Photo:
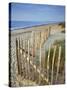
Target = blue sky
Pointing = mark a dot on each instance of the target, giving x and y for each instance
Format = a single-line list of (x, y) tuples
[(36, 12)]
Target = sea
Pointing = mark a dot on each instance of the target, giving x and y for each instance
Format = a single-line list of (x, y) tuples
[(14, 25)]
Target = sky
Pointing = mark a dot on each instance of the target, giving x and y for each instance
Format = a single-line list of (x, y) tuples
[(37, 13)]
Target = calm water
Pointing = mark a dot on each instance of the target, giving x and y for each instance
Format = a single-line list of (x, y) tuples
[(23, 24)]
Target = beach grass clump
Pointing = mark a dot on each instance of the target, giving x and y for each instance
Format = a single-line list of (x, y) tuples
[(62, 60), (57, 43), (62, 25)]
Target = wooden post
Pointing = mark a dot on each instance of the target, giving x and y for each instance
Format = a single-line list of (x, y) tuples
[(20, 54), (21, 60), (44, 62), (34, 44), (32, 54), (48, 64), (28, 59), (40, 60), (25, 62), (53, 64), (17, 55), (22, 47), (40, 66), (25, 71), (34, 50), (58, 63), (40, 37)]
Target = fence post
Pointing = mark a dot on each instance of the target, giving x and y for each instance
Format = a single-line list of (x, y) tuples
[(28, 60), (58, 63), (44, 57), (24, 57), (25, 60), (22, 47), (53, 64), (20, 53), (40, 61), (48, 63), (17, 54), (33, 53)]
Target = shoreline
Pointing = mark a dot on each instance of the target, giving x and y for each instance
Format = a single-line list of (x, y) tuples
[(55, 27), (12, 29)]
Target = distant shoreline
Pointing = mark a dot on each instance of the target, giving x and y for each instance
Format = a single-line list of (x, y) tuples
[(13, 29), (55, 27)]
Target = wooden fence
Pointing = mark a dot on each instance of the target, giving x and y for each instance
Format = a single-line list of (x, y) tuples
[(46, 70)]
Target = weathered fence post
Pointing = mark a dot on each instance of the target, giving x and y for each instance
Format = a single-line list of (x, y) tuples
[(20, 53), (28, 60), (22, 46), (33, 53), (40, 61), (24, 58), (58, 63), (48, 63), (20, 56), (17, 54), (44, 57), (53, 64), (26, 63)]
